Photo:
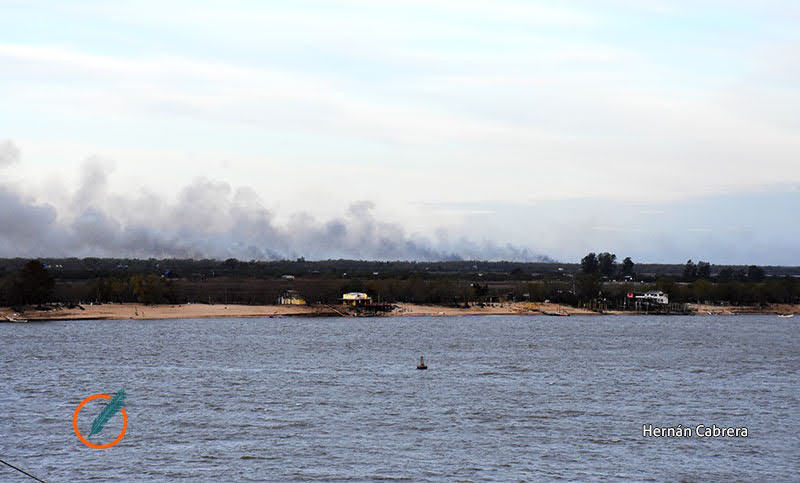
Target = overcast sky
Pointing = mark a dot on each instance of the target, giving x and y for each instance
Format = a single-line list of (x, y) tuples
[(662, 130)]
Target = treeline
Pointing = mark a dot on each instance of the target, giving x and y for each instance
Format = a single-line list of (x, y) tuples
[(603, 279), (605, 264), (774, 290), (89, 268), (92, 268), (34, 283), (150, 289)]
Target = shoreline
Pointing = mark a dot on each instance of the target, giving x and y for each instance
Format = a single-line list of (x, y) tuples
[(197, 311)]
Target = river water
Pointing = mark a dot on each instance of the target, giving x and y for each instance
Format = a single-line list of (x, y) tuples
[(504, 398)]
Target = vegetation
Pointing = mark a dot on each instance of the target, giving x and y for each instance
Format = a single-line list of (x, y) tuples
[(33, 284), (627, 267), (597, 277)]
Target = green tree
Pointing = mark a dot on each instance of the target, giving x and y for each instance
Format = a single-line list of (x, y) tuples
[(480, 291), (701, 290), (588, 286), (538, 291), (668, 286), (689, 271), (589, 263), (148, 289), (755, 273), (627, 267), (726, 275), (608, 263), (32, 285), (518, 274), (703, 270)]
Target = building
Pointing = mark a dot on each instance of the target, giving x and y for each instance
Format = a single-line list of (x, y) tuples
[(356, 299), (291, 297), (655, 296)]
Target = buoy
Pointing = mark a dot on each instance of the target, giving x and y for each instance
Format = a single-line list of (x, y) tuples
[(421, 364)]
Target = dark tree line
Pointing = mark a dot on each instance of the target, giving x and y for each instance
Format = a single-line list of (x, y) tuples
[(702, 271), (605, 264), (32, 284)]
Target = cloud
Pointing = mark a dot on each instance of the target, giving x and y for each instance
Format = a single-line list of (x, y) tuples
[(552, 113), (437, 102), (9, 153)]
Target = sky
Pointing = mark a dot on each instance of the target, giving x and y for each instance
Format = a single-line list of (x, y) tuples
[(524, 130)]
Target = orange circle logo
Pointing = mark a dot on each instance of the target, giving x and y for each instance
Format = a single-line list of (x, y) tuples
[(78, 433)]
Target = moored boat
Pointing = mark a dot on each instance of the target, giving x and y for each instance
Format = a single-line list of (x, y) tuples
[(15, 320)]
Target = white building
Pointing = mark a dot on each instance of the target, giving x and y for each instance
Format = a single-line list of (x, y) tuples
[(655, 296)]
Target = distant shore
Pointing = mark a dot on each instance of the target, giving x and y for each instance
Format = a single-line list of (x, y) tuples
[(192, 311)]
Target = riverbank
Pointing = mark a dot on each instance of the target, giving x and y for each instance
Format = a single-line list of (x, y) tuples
[(193, 311)]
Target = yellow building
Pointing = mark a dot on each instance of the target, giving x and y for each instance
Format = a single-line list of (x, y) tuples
[(291, 297), (356, 298)]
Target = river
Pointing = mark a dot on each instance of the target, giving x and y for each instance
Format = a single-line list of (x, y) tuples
[(504, 398)]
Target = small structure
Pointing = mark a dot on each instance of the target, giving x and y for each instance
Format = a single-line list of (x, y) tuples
[(356, 299), (656, 296), (291, 297)]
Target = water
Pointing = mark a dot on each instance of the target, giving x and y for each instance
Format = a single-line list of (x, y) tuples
[(504, 398)]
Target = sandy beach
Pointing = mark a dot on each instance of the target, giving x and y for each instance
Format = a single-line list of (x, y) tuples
[(190, 311)]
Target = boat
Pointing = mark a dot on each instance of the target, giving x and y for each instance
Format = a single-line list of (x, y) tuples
[(786, 316), (15, 320), (421, 365)]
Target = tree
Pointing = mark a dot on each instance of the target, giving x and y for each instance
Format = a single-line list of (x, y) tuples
[(701, 290), (588, 286), (608, 263), (667, 285), (33, 284), (479, 290), (518, 274), (589, 263), (726, 275), (148, 289), (627, 267), (755, 273), (689, 271), (703, 270)]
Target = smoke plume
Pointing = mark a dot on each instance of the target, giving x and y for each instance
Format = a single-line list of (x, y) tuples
[(9, 153), (209, 219)]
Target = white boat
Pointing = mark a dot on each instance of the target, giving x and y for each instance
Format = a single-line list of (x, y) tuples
[(786, 316), (15, 320)]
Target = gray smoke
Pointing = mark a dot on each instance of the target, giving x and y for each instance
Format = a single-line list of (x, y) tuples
[(9, 153), (209, 219)]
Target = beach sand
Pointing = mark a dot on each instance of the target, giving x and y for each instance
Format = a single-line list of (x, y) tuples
[(184, 311), (190, 311)]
